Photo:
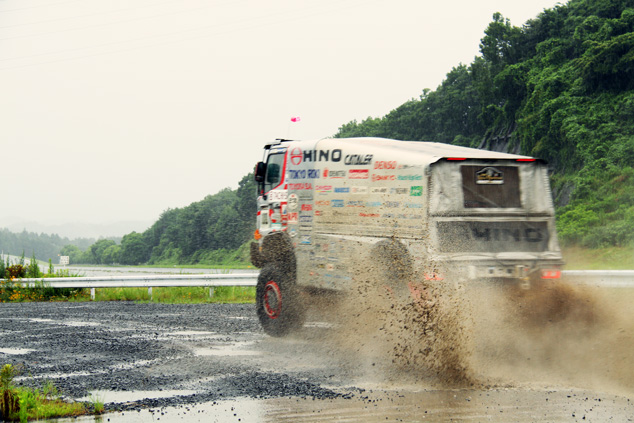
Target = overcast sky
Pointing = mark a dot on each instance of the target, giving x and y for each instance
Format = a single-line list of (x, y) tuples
[(120, 109)]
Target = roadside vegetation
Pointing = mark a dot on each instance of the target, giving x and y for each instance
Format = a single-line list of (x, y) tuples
[(19, 404)]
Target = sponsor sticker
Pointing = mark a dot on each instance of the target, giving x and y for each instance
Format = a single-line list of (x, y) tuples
[(342, 190), (410, 177), (359, 173), (300, 186), (336, 203), (355, 203), (292, 217), (359, 190), (398, 191), (293, 201), (307, 207), (379, 190), (489, 176), (385, 164), (296, 156), (376, 177), (306, 240), (280, 195), (416, 191), (323, 188)]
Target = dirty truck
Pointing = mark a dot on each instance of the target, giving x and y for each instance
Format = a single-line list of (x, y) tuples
[(328, 209)]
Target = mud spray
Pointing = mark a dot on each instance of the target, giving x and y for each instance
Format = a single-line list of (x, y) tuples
[(485, 334)]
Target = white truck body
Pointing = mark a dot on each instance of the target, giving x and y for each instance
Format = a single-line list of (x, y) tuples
[(460, 213)]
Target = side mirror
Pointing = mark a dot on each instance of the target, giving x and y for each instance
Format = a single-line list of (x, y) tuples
[(260, 171)]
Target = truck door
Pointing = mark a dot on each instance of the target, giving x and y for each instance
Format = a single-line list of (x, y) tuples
[(273, 195)]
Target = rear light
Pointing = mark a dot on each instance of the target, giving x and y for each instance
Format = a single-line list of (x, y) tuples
[(551, 274), (526, 160), (456, 158)]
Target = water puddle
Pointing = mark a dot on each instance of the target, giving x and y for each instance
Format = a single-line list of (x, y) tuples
[(80, 324), (15, 351), (231, 350), (41, 320), (194, 333), (499, 405)]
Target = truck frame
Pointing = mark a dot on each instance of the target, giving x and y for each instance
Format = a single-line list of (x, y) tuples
[(326, 208)]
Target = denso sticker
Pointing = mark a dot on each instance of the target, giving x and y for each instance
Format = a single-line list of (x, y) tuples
[(379, 164), (281, 195), (358, 174)]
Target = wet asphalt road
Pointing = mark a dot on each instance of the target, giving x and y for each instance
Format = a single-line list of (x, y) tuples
[(214, 361)]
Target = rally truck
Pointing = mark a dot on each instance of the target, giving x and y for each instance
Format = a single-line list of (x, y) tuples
[(326, 208)]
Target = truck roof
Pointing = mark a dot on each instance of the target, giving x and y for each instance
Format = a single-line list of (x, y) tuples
[(433, 151)]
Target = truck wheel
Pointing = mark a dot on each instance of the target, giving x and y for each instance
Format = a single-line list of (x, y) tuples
[(277, 302)]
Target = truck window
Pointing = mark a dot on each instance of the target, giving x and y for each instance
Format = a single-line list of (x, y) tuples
[(274, 167), (490, 186)]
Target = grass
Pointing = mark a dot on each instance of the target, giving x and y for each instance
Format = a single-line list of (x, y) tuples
[(179, 295), (613, 258), (23, 404)]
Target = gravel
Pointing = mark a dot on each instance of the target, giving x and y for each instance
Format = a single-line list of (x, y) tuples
[(182, 354)]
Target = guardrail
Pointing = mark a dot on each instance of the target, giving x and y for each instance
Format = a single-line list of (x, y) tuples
[(149, 281), (604, 278)]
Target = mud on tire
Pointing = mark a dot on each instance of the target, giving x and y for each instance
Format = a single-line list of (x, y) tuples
[(278, 304)]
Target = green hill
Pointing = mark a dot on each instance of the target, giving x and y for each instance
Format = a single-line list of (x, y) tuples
[(560, 87)]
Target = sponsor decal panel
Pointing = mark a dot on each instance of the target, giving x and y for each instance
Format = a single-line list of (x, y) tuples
[(322, 202), (293, 201), (359, 190), (392, 204), (336, 203), (292, 217), (379, 190), (410, 177), (376, 177), (307, 207), (303, 174), (323, 188), (398, 191), (413, 206), (334, 173), (355, 203), (358, 159), (379, 164), (305, 219), (300, 186), (374, 204), (281, 195), (489, 176), (358, 174), (369, 215), (296, 156), (416, 191), (342, 190)]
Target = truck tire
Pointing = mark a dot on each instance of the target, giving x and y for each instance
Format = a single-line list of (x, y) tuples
[(278, 305)]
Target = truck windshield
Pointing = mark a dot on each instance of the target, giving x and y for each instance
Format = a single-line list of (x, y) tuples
[(274, 168)]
